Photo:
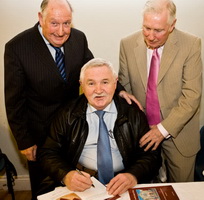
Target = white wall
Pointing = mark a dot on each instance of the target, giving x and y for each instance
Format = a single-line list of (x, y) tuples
[(104, 22)]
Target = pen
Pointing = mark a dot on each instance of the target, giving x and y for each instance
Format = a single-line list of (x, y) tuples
[(83, 175)]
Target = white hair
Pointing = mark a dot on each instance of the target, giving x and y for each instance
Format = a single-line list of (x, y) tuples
[(97, 62)]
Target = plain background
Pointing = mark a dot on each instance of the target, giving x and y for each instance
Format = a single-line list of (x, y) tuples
[(104, 22)]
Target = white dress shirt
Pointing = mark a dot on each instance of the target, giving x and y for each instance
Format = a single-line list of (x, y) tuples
[(51, 49)]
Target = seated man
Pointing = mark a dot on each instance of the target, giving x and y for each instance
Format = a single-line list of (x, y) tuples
[(76, 137)]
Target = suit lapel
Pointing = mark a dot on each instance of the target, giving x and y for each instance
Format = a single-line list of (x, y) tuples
[(44, 56), (169, 52), (68, 58), (140, 52)]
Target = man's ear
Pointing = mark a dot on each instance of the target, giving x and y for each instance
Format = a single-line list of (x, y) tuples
[(173, 25), (40, 18), (116, 81), (80, 88)]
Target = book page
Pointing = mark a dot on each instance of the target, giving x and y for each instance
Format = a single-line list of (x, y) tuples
[(62, 193)]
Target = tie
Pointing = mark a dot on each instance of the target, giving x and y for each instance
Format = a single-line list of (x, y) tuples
[(59, 59), (104, 157), (152, 102)]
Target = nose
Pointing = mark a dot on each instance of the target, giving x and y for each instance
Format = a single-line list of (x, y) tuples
[(60, 30), (98, 89), (151, 35)]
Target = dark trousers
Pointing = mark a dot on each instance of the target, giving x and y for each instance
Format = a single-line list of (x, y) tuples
[(36, 176)]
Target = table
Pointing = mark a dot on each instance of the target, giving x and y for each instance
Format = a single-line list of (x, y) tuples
[(185, 191)]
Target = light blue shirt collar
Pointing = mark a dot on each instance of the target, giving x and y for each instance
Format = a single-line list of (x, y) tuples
[(110, 108)]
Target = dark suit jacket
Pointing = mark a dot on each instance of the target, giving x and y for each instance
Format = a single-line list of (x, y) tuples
[(34, 89)]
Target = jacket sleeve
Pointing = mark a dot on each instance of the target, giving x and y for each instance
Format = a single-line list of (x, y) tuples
[(15, 101), (186, 95), (52, 155)]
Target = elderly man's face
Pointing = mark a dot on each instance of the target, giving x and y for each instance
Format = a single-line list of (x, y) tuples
[(99, 86), (156, 29), (56, 23)]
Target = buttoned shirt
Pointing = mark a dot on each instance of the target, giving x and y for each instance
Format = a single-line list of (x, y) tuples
[(88, 157)]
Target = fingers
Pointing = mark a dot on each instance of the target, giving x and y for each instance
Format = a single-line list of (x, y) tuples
[(151, 139), (77, 182), (121, 183), (129, 98), (30, 153), (124, 95), (151, 145), (84, 173), (136, 101)]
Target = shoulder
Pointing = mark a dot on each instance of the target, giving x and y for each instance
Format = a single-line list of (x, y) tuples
[(74, 108), (130, 114), (77, 37), (132, 40), (77, 33), (124, 108), (185, 34), (132, 36), (184, 38), (24, 36)]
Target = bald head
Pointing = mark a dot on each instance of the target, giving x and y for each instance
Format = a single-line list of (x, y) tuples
[(55, 19), (45, 3)]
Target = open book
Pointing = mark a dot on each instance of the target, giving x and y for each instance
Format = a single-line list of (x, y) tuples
[(62, 193), (166, 192)]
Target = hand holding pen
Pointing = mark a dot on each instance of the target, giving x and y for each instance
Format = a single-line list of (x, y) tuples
[(76, 180), (83, 175)]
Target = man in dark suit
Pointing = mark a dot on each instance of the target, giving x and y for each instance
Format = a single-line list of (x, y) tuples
[(34, 87)]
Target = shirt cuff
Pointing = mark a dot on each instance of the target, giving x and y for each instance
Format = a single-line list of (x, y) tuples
[(163, 131)]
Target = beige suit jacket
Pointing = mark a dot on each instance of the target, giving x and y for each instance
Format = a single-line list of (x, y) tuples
[(179, 83)]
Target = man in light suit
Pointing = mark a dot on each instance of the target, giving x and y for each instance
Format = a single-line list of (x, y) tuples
[(179, 85), (34, 87)]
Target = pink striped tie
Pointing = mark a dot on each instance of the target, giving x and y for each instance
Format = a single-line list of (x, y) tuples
[(152, 102)]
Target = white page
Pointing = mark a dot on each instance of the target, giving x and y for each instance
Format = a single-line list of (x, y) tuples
[(94, 193)]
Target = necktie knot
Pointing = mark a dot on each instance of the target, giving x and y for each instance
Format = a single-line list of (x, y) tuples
[(155, 61), (155, 52), (57, 49), (100, 113)]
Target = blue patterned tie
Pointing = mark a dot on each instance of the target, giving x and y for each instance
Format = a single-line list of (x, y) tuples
[(59, 59), (104, 156)]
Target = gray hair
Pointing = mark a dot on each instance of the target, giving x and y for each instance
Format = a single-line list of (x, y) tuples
[(44, 4), (97, 62), (157, 6)]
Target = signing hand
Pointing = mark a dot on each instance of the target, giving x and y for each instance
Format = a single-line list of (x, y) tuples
[(77, 182), (152, 138), (121, 183), (129, 98), (30, 153)]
